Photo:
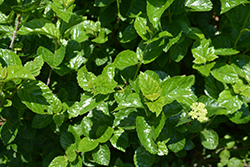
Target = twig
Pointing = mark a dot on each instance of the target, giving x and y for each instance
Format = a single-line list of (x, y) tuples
[(48, 81), (14, 35)]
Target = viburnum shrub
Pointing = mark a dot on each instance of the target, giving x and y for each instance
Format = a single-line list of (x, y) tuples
[(124, 83)]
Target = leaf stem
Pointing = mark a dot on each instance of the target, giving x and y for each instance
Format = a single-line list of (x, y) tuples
[(118, 10), (48, 80), (242, 30), (137, 70), (14, 35)]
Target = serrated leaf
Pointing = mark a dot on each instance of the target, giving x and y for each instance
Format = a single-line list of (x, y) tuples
[(202, 52), (209, 139), (18, 72), (143, 158), (227, 5), (53, 60), (172, 41), (39, 26), (156, 106), (62, 12), (101, 155), (59, 161), (177, 87), (38, 97), (155, 10), (9, 58), (226, 51), (231, 102), (140, 27), (132, 101), (120, 140), (41, 121), (86, 144), (177, 142), (35, 66), (104, 85), (204, 69), (71, 153), (199, 6), (149, 87), (125, 59), (225, 73), (59, 118), (145, 134), (85, 79)]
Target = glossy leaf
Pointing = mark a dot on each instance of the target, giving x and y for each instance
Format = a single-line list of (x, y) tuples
[(226, 51), (235, 162), (145, 134), (39, 26), (227, 5), (209, 139), (204, 69), (176, 142), (162, 149), (241, 64), (149, 87), (178, 51), (9, 58), (35, 66), (18, 72), (53, 60), (120, 140), (143, 158), (231, 102), (85, 79), (140, 27), (155, 10), (86, 144), (125, 59), (132, 101), (192, 32), (106, 135), (59, 161), (8, 132), (128, 34), (38, 97), (225, 73), (156, 106), (104, 85), (71, 153), (202, 52), (172, 41), (41, 121), (199, 6), (101, 155), (63, 13), (26, 7)]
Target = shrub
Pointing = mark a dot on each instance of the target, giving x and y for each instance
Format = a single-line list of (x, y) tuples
[(124, 83)]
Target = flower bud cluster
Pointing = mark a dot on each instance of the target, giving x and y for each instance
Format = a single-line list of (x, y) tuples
[(198, 111)]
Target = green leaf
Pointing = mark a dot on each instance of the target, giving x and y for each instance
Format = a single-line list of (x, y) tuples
[(226, 51), (103, 3), (162, 149), (176, 88), (104, 85), (213, 87), (86, 144), (143, 158), (172, 41), (227, 5), (106, 135), (192, 32), (132, 101), (242, 116), (199, 6), (62, 12), (178, 51), (125, 59), (8, 132), (59, 161), (38, 97), (156, 106), (155, 10), (202, 52), (53, 60), (26, 7), (225, 73), (149, 87), (231, 102), (71, 153), (59, 118), (26, 131), (209, 139), (41, 121), (101, 155), (212, 105), (39, 26), (140, 27), (9, 58), (128, 34), (85, 79), (35, 66), (235, 162), (176, 142), (241, 64), (18, 72), (120, 140), (145, 134), (204, 69)]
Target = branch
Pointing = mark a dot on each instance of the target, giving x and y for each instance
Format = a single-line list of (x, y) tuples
[(14, 35)]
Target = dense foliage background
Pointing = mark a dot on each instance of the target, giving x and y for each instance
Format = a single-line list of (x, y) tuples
[(124, 83)]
